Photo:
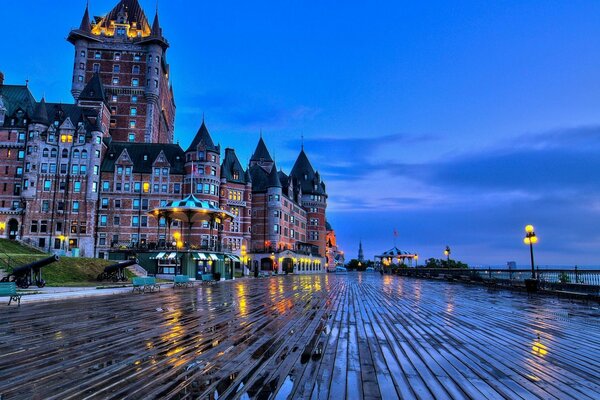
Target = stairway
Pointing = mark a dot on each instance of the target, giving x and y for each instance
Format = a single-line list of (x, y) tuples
[(137, 270)]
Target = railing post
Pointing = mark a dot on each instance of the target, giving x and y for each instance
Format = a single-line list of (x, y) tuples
[(576, 275), (490, 272)]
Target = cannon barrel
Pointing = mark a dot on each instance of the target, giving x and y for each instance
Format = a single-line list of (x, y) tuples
[(36, 264), (119, 265)]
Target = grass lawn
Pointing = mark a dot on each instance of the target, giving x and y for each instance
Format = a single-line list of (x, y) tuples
[(65, 272)]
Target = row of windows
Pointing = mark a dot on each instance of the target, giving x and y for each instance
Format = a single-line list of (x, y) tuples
[(132, 111), (137, 187), (62, 186), (286, 232), (76, 169), (42, 226), (116, 68)]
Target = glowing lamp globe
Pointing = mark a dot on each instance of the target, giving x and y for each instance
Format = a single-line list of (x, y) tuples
[(527, 241), (534, 239), (529, 228)]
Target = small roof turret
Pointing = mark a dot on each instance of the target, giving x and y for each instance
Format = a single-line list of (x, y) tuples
[(85, 25), (274, 180)]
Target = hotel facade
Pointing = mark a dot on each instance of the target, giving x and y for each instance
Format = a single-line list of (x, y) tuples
[(83, 179)]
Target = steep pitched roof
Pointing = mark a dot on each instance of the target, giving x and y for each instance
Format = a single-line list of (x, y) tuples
[(143, 156), (303, 171), (93, 90), (261, 152), (230, 165), (135, 13), (40, 115), (15, 97), (259, 177), (202, 136)]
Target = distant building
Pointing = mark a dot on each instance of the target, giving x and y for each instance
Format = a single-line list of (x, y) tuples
[(82, 179), (286, 210), (335, 257), (361, 256)]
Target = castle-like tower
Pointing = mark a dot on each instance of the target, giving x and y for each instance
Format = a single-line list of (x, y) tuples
[(129, 55), (314, 200)]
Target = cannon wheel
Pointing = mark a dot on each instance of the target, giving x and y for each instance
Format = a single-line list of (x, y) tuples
[(23, 283), (41, 283)]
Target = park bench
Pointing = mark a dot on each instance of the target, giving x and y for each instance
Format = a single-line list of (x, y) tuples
[(10, 289), (182, 281), (143, 284), (207, 278)]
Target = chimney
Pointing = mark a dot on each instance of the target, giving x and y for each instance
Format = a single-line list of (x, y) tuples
[(1, 78)]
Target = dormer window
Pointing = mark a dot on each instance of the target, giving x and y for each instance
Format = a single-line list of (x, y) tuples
[(236, 175), (305, 176), (121, 31)]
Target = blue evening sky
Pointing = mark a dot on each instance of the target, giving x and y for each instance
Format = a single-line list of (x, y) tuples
[(453, 122)]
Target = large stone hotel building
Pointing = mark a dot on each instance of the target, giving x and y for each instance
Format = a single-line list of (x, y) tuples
[(95, 177)]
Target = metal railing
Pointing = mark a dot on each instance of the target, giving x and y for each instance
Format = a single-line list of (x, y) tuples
[(575, 280)]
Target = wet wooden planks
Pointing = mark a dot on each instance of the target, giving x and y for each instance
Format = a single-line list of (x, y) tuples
[(321, 336)]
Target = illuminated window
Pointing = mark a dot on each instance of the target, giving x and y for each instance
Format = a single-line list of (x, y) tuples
[(131, 137), (146, 187)]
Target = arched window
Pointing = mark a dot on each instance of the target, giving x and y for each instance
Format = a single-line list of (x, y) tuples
[(45, 152), (65, 153), (75, 153), (53, 153), (84, 154)]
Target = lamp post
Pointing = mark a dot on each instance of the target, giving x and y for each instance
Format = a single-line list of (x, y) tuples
[(447, 254), (530, 239), (416, 260)]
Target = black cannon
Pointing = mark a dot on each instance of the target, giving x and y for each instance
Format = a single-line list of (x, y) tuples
[(31, 273), (115, 272)]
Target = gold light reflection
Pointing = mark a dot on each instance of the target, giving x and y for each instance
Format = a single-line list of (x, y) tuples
[(539, 349), (242, 300)]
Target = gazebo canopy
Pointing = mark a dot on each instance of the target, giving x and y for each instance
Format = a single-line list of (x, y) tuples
[(395, 252), (191, 209)]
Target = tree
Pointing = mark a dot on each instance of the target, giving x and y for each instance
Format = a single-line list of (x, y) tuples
[(439, 263)]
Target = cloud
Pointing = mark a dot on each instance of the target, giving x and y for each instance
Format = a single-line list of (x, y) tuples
[(246, 112)]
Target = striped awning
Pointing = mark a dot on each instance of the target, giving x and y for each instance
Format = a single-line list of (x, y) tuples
[(171, 256), (159, 256), (212, 256), (199, 256), (233, 258)]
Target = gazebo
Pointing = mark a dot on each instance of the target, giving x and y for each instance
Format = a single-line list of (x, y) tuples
[(191, 210), (395, 256), (188, 256)]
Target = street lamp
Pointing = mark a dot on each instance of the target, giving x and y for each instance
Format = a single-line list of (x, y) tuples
[(416, 260), (530, 239), (447, 254)]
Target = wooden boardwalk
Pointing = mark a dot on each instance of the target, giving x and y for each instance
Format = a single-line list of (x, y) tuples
[(308, 337)]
